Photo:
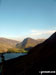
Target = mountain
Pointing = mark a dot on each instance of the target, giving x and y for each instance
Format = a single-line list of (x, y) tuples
[(40, 58), (29, 42), (7, 43)]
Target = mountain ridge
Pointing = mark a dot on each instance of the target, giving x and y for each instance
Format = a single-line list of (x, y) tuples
[(7, 43), (29, 42)]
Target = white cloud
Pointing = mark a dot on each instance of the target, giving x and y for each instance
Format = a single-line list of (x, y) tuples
[(35, 34), (41, 33)]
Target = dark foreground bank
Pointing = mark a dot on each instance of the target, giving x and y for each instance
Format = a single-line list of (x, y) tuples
[(40, 58)]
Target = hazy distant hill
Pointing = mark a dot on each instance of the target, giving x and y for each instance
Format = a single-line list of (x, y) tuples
[(29, 42), (7, 43)]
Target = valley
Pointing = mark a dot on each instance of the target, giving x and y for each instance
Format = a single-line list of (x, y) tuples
[(13, 46)]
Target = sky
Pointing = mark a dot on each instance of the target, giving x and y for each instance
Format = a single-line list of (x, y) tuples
[(27, 18)]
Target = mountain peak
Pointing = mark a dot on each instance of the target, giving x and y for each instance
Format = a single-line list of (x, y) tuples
[(28, 38), (26, 42), (29, 42)]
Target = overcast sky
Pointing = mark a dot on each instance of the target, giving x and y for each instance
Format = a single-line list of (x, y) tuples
[(27, 18)]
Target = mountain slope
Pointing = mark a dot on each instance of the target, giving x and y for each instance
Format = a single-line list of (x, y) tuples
[(7, 43), (29, 42), (40, 58)]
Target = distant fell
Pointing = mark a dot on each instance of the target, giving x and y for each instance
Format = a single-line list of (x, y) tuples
[(7, 43), (29, 42)]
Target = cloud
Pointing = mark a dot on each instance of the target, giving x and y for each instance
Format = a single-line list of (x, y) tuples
[(41, 33), (35, 34)]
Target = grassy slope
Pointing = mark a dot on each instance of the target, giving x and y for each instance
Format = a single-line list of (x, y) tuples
[(29, 42), (7, 43)]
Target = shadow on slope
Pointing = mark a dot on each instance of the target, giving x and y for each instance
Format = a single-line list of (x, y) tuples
[(41, 57)]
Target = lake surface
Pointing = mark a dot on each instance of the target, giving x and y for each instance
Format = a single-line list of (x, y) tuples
[(9, 56)]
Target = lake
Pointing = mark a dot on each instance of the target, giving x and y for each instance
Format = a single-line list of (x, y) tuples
[(9, 56)]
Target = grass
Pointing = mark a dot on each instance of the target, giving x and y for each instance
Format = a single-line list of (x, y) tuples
[(16, 50)]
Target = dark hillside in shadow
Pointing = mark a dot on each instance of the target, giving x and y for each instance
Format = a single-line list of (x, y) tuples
[(41, 57)]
